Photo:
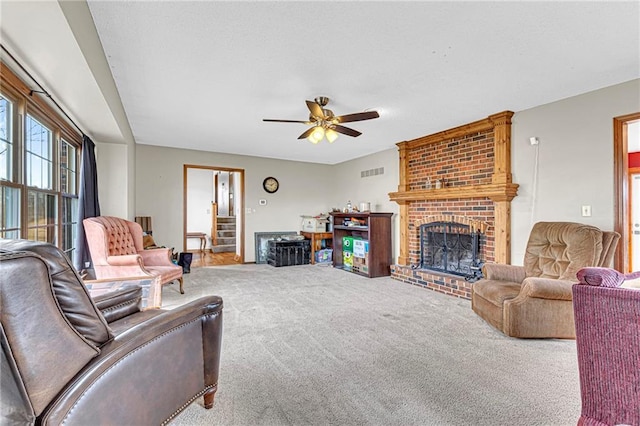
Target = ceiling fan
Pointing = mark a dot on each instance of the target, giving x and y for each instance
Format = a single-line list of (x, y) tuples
[(325, 123)]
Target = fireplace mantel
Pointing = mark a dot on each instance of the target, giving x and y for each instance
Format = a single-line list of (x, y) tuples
[(494, 191)]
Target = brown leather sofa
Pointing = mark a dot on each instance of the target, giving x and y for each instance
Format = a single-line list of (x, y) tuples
[(69, 359), (535, 300)]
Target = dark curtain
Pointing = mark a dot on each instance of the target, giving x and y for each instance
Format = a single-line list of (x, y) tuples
[(88, 200)]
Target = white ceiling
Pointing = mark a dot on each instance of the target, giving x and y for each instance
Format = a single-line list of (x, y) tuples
[(203, 74)]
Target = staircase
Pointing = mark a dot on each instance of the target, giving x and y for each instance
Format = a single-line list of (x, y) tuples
[(225, 235)]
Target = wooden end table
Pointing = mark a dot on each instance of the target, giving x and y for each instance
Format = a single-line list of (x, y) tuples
[(316, 241), (203, 241)]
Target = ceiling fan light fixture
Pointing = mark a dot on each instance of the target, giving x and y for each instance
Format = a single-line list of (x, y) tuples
[(316, 135), (331, 135), (324, 123)]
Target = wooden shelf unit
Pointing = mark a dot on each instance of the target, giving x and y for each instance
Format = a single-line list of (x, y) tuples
[(377, 230)]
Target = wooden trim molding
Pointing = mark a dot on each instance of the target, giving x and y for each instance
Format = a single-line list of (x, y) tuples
[(475, 127), (501, 190), (621, 188)]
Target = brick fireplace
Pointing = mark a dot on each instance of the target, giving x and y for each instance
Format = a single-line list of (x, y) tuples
[(461, 175)]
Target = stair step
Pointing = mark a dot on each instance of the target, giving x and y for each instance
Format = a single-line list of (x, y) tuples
[(226, 219), (225, 226), (225, 241), (226, 234), (224, 248)]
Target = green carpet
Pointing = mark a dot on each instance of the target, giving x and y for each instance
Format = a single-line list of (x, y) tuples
[(312, 345)]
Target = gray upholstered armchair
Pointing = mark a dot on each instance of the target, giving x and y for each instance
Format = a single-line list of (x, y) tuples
[(67, 359), (535, 300)]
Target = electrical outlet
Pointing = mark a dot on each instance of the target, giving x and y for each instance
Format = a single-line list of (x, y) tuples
[(586, 211)]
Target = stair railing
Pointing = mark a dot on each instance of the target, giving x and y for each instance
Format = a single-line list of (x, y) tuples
[(214, 224)]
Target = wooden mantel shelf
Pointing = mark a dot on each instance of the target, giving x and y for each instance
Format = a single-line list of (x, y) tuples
[(494, 191)]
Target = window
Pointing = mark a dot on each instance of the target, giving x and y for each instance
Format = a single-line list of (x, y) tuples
[(39, 157), (6, 145)]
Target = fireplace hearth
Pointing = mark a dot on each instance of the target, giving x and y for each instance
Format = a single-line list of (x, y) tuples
[(452, 248)]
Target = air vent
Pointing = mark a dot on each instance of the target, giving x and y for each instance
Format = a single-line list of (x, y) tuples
[(372, 172)]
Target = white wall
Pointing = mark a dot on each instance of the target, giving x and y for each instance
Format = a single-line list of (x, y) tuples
[(374, 189), (113, 181), (199, 197), (159, 191), (223, 194), (575, 160)]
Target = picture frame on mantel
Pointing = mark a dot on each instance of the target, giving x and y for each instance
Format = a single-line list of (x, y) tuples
[(261, 243)]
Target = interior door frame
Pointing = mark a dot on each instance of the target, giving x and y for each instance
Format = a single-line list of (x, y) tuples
[(632, 171), (185, 168), (621, 188)]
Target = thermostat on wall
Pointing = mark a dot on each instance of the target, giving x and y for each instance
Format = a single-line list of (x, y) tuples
[(262, 202)]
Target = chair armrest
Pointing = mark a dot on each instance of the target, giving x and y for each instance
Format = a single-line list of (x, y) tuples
[(150, 372), (156, 257), (502, 272), (125, 260), (118, 304), (547, 288), (129, 265)]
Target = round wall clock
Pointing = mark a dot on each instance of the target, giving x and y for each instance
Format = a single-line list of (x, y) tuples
[(270, 184)]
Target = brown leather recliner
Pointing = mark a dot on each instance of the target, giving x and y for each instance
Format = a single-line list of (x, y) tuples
[(535, 300), (69, 359)]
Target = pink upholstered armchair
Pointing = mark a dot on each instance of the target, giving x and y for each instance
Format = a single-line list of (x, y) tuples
[(116, 250), (607, 319)]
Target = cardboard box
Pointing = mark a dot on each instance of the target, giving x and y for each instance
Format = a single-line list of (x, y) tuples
[(360, 248), (347, 244), (361, 264), (347, 260), (314, 224)]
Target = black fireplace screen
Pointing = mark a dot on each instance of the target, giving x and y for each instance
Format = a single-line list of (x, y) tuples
[(451, 247)]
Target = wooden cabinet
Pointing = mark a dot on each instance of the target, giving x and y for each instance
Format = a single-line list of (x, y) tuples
[(375, 228)]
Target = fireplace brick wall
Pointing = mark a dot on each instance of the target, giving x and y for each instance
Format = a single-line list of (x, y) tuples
[(464, 160)]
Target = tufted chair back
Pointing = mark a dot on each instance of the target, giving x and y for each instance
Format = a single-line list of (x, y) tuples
[(557, 250), (119, 236), (113, 236)]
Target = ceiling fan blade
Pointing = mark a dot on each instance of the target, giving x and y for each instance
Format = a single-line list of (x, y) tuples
[(346, 131), (306, 133), (272, 120), (358, 116), (316, 110)]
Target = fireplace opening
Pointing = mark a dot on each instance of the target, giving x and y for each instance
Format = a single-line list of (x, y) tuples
[(451, 247)]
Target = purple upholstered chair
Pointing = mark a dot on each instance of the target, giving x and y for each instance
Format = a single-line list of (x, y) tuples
[(607, 319)]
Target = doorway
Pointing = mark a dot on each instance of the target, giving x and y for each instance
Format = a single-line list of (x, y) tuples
[(213, 228), (626, 138)]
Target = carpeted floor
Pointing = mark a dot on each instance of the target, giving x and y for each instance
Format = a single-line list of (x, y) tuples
[(312, 345)]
